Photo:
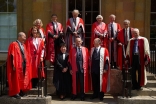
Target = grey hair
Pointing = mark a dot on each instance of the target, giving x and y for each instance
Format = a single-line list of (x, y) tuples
[(76, 11), (136, 30), (112, 15), (97, 40), (34, 23), (127, 21), (99, 16)]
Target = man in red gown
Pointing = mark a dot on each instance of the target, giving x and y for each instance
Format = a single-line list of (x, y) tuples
[(100, 70), (99, 30), (54, 31), (75, 27), (113, 29), (123, 38), (138, 56), (18, 67), (78, 59)]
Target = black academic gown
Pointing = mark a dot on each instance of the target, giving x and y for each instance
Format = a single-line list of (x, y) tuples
[(62, 81)]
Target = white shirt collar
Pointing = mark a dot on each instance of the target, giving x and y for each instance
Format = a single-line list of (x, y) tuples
[(97, 48)]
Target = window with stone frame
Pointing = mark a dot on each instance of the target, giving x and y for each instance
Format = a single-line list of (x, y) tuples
[(88, 9), (8, 23), (153, 24)]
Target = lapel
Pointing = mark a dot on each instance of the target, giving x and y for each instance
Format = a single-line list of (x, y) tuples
[(20, 48)]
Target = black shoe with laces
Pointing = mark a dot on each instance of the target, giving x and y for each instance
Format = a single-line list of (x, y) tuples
[(17, 96)]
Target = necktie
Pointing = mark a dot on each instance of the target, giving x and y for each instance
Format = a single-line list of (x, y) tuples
[(135, 50), (112, 31), (126, 42), (74, 19)]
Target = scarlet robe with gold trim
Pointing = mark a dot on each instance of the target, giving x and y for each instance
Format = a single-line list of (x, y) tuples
[(70, 40), (17, 80), (102, 29), (121, 39), (144, 53), (72, 60), (35, 56), (50, 50), (117, 28), (104, 77)]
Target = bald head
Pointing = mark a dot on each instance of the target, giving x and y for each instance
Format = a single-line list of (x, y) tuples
[(136, 32), (97, 42), (78, 41), (21, 37)]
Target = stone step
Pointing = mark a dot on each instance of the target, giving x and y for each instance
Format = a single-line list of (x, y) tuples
[(145, 92), (50, 72), (152, 77), (137, 100), (34, 91), (26, 100), (151, 83)]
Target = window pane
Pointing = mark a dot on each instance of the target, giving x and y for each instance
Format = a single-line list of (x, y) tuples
[(3, 6), (88, 30), (4, 32), (88, 18), (153, 7), (13, 31), (153, 19), (88, 5), (87, 43), (153, 32), (95, 5), (12, 19), (11, 5), (79, 5), (4, 43), (71, 5), (94, 16), (4, 19)]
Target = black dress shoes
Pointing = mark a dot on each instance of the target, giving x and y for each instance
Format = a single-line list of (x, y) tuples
[(73, 97), (22, 94), (101, 98), (82, 98), (93, 97), (17, 96)]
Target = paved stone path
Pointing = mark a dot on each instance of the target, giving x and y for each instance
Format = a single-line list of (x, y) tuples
[(107, 100)]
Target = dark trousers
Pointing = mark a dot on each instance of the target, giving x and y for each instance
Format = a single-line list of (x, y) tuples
[(96, 85), (136, 67), (80, 81)]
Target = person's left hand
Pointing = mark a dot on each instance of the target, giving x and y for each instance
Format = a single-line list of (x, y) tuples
[(104, 71), (146, 62), (41, 59)]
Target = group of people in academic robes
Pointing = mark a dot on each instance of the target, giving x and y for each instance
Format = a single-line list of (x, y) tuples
[(77, 69)]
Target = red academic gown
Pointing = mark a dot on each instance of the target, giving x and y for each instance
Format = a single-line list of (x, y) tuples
[(16, 79), (144, 53), (121, 39), (99, 28), (69, 37), (41, 30), (104, 77), (50, 50), (35, 56), (116, 29), (72, 60)]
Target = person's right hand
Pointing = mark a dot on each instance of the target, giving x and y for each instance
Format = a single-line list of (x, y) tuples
[(71, 72), (126, 62), (120, 44), (55, 36)]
